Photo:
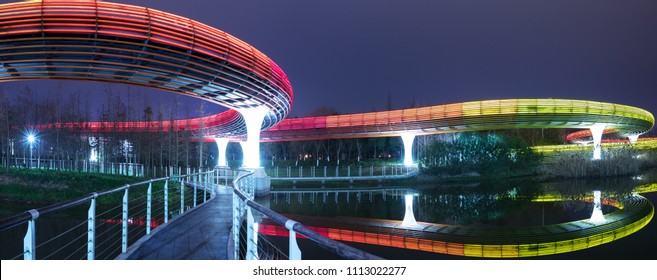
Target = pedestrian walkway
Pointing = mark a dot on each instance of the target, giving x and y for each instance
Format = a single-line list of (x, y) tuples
[(201, 234)]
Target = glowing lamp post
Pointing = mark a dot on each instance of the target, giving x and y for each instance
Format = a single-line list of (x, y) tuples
[(31, 139)]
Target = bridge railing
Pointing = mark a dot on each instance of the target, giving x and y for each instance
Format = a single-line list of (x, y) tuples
[(248, 242), (102, 225), (285, 172)]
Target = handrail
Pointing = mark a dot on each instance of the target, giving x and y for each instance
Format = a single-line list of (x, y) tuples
[(18, 219), (324, 242), (30, 246)]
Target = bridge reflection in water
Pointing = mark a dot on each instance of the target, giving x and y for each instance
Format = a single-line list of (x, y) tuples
[(491, 229)]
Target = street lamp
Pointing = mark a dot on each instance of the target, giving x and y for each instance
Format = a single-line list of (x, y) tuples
[(30, 139)]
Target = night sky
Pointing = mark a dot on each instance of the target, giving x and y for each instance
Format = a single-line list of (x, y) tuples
[(351, 55)]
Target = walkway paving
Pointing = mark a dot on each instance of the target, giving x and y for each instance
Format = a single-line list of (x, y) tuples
[(201, 234)]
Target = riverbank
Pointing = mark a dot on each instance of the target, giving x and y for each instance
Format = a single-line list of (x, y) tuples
[(32, 186)]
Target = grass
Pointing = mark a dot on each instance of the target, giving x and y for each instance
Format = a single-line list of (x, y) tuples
[(45, 187)]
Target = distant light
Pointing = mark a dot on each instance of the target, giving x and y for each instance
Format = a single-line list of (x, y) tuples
[(31, 138)]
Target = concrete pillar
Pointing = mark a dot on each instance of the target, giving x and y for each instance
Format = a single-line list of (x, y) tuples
[(253, 118), (596, 133), (597, 216), (262, 182), (408, 138), (243, 145), (409, 217), (633, 138), (222, 143)]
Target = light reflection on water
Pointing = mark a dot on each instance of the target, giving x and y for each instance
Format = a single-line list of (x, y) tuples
[(488, 204), (510, 203)]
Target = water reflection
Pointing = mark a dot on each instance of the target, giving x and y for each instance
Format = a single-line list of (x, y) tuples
[(483, 206), (513, 218)]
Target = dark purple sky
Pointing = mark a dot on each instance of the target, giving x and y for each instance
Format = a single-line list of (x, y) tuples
[(351, 54)]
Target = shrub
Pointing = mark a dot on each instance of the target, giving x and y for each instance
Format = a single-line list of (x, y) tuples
[(490, 155), (614, 162)]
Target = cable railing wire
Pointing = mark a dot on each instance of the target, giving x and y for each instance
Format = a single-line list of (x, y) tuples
[(61, 234), (116, 242), (244, 191), (110, 224), (100, 244), (74, 252)]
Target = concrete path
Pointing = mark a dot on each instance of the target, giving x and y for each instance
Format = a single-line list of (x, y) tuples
[(201, 234)]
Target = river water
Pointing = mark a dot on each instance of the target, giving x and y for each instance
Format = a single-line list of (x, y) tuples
[(506, 203)]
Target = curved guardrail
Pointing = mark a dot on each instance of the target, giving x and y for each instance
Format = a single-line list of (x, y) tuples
[(243, 205), (129, 222)]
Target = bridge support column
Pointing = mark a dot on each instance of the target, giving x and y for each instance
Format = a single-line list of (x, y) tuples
[(253, 118), (222, 143), (597, 216), (596, 133), (633, 138), (262, 182), (409, 217), (408, 138)]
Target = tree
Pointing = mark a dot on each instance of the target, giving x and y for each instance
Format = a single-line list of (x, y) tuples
[(201, 112)]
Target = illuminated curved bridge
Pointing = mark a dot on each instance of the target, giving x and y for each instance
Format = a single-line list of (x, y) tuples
[(468, 116), (91, 40), (99, 41), (118, 43)]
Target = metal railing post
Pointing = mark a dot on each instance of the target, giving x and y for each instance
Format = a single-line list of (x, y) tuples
[(149, 200), (324, 171), (300, 171), (182, 196), (205, 190), (195, 184), (251, 236), (29, 241), (348, 170), (166, 201), (236, 226), (124, 227), (91, 229), (294, 251)]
